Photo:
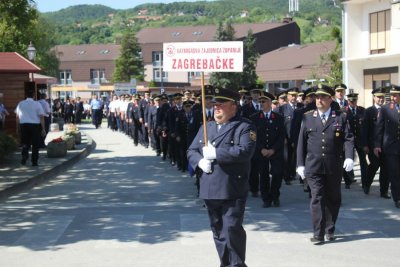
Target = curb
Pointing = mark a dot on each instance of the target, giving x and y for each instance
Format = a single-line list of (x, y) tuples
[(47, 175)]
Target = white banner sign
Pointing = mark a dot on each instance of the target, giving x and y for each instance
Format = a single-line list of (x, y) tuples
[(203, 56)]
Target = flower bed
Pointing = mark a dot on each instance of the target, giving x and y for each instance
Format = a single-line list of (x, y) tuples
[(57, 148)]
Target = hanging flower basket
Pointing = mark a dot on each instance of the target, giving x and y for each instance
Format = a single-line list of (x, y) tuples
[(57, 148)]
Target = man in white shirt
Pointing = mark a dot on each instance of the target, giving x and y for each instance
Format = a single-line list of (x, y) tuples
[(47, 117), (30, 117)]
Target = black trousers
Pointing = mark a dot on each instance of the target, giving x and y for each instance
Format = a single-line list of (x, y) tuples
[(226, 221), (270, 187), (96, 117), (374, 164), (393, 162), (254, 179), (325, 202), (348, 177), (30, 136)]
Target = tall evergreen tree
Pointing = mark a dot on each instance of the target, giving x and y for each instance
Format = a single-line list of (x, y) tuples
[(250, 57), (229, 80), (129, 64)]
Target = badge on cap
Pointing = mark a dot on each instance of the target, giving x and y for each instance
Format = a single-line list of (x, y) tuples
[(253, 136)]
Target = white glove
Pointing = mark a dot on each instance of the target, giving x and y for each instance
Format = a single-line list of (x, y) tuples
[(209, 152), (300, 171), (205, 165), (348, 165)]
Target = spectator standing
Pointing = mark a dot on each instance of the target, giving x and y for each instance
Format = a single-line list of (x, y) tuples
[(30, 117)]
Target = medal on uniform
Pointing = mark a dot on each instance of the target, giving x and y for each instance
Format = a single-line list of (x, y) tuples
[(337, 134)]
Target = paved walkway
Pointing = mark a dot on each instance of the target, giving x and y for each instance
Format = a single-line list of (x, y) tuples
[(123, 206)]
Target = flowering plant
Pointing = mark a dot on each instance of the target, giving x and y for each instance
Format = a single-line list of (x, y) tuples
[(57, 140)]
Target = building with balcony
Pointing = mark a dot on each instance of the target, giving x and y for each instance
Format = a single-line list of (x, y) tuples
[(85, 70), (268, 36), (371, 50)]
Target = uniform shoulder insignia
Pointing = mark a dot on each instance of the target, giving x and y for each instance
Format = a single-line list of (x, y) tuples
[(309, 112), (253, 135), (246, 120)]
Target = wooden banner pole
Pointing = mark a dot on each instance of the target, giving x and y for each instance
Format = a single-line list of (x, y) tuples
[(203, 106)]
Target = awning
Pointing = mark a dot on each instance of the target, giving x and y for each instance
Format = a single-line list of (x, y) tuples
[(82, 88)]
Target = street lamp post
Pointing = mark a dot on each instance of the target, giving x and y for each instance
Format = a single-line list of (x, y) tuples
[(31, 56)]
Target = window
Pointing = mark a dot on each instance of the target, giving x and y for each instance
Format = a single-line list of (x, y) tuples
[(65, 77), (379, 34), (157, 75), (194, 75), (98, 76), (157, 58)]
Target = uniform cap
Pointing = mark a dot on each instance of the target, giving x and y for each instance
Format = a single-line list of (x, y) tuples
[(257, 88), (178, 96), (380, 91), (310, 91), (267, 95), (325, 90), (395, 89), (339, 87), (223, 95), (292, 91), (352, 96), (208, 90), (188, 103)]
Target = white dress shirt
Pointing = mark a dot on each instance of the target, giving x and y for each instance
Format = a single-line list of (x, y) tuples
[(29, 111)]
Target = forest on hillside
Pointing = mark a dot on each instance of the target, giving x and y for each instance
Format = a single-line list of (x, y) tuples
[(93, 24)]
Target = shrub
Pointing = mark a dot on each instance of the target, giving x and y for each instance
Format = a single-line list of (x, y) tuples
[(8, 145)]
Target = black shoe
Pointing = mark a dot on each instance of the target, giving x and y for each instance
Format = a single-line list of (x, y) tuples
[(158, 154), (276, 203), (347, 186), (330, 237), (287, 182), (23, 161), (385, 195), (267, 204), (397, 204), (35, 164), (317, 240), (366, 189), (254, 194)]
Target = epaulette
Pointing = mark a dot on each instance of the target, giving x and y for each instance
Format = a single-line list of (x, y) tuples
[(245, 120), (308, 112)]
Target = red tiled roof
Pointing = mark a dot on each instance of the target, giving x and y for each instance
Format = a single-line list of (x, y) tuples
[(89, 52), (14, 62), (296, 62), (204, 33)]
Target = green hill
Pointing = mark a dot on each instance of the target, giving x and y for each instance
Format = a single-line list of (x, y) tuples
[(86, 24)]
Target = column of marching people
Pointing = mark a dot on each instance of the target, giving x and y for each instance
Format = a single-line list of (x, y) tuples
[(168, 124)]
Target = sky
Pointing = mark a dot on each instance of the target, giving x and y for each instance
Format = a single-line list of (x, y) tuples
[(55, 5)]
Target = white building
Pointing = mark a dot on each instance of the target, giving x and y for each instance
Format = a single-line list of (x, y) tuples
[(371, 45)]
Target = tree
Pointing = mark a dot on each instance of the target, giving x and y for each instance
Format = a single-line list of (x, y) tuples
[(250, 57), (229, 80), (129, 64), (20, 24), (333, 58)]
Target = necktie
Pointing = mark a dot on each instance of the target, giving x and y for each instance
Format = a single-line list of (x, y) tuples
[(209, 114), (257, 108), (341, 103), (266, 116), (354, 111), (323, 119)]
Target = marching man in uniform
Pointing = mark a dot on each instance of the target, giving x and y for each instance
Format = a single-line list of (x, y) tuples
[(324, 135), (225, 163)]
